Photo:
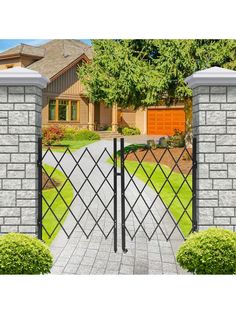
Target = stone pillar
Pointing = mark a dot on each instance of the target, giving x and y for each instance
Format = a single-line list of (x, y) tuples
[(114, 122), (91, 116), (214, 126), (20, 126)]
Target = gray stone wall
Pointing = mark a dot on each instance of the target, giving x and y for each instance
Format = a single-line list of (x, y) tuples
[(20, 125), (214, 126)]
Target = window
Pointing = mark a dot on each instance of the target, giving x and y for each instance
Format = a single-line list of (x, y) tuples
[(73, 110), (52, 109), (63, 110)]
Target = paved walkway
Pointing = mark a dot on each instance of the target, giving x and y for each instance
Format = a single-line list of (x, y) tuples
[(95, 255)]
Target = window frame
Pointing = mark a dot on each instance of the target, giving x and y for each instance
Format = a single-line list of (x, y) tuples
[(69, 110)]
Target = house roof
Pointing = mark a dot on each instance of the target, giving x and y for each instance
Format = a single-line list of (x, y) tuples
[(59, 54), (56, 55), (24, 49)]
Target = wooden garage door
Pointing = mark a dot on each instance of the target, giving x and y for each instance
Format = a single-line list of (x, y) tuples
[(164, 121)]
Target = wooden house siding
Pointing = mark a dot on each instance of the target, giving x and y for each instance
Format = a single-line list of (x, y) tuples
[(66, 85)]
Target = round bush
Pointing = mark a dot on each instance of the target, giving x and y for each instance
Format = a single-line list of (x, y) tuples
[(52, 134), (211, 251), (23, 254), (130, 131), (87, 135)]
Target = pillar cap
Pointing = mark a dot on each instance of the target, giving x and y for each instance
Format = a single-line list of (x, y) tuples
[(213, 76), (18, 76)]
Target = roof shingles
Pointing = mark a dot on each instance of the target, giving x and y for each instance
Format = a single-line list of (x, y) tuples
[(53, 56), (58, 55)]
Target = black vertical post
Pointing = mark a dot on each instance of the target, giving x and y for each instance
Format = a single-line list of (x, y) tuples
[(115, 191), (39, 163), (194, 178), (122, 173)]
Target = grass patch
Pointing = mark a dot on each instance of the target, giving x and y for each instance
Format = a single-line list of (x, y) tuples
[(58, 207), (167, 193), (73, 145)]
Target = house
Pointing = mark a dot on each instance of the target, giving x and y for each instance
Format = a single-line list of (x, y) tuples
[(65, 101)]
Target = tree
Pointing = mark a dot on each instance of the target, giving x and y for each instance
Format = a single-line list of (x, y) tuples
[(143, 72)]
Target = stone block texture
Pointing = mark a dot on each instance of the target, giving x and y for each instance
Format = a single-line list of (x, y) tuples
[(20, 126), (214, 126)]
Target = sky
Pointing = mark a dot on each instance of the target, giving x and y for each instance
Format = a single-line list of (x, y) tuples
[(9, 43)]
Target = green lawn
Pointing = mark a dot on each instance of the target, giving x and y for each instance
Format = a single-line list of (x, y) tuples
[(167, 193), (58, 207), (73, 145)]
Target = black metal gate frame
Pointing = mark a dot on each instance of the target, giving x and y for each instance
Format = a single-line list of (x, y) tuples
[(122, 173)]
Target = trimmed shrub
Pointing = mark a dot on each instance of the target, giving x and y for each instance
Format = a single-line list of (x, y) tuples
[(130, 131), (133, 148), (177, 140), (23, 254), (52, 134), (87, 135), (163, 142), (70, 132), (211, 252)]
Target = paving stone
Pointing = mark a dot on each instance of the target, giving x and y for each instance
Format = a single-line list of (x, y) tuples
[(88, 261), (76, 259), (115, 257), (128, 260), (91, 253), (62, 261), (103, 255), (140, 270), (169, 268), (100, 263), (57, 270), (83, 245), (126, 269), (70, 269), (97, 271), (114, 266), (111, 272), (141, 254), (84, 270), (154, 265), (168, 258), (166, 250), (79, 252), (155, 272), (154, 256)]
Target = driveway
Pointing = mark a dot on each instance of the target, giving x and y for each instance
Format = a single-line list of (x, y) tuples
[(95, 255)]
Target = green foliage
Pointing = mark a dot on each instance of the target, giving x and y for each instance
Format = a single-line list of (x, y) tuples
[(73, 133), (133, 148), (23, 254), (141, 72), (86, 135), (52, 134), (177, 140), (163, 142), (56, 201), (211, 251), (70, 133), (130, 131)]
